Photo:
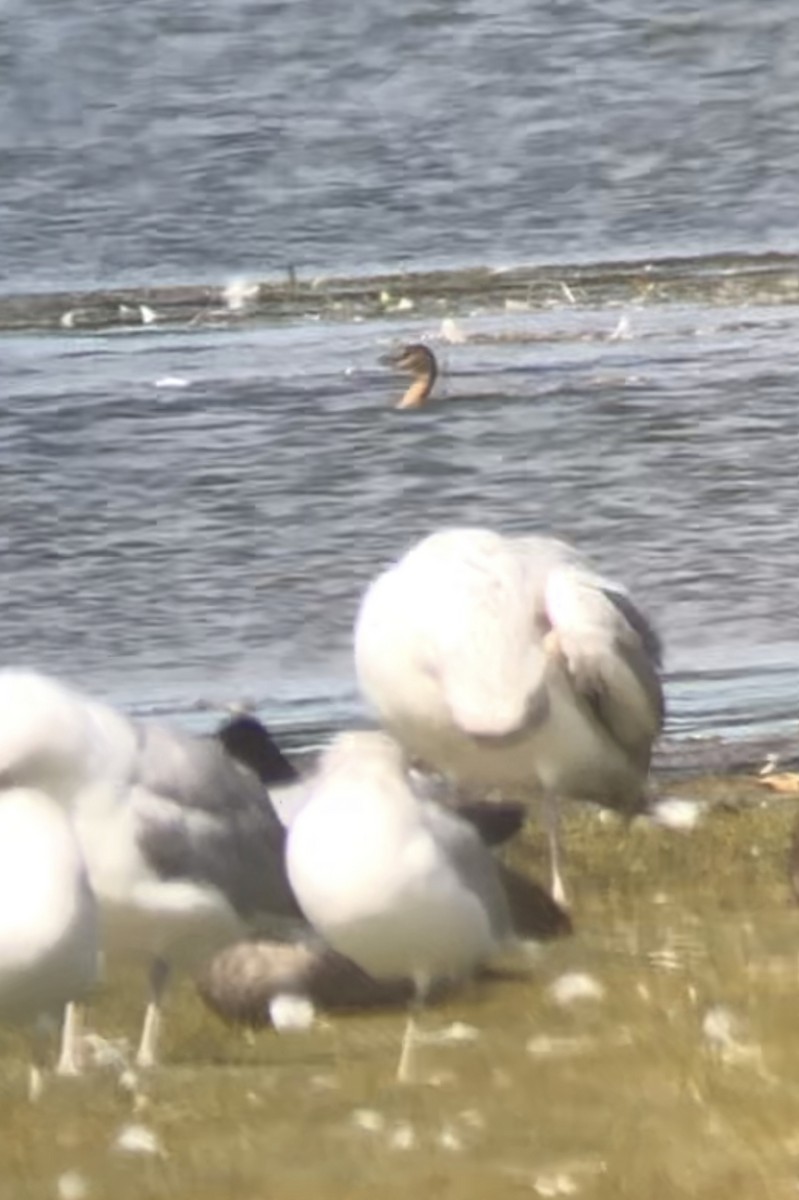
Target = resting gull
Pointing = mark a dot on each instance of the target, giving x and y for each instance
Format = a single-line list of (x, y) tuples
[(183, 847), (245, 980), (401, 886), (48, 918)]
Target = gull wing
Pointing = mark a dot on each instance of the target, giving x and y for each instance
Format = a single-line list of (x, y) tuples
[(474, 865), (202, 816), (611, 652)]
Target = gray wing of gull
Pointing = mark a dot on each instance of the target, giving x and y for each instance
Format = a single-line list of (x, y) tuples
[(496, 821), (204, 817), (543, 553), (617, 676), (649, 640), (473, 863)]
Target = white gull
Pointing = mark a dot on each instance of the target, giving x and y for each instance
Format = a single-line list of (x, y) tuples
[(509, 662), (183, 848), (399, 885), (48, 918)]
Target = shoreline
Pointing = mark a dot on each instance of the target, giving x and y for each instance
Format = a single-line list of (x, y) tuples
[(716, 279), (695, 757)]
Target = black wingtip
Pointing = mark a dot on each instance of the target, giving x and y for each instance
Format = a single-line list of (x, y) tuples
[(534, 914), (248, 741), (496, 821)]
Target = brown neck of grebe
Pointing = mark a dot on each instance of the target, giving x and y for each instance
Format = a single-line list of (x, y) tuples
[(421, 387)]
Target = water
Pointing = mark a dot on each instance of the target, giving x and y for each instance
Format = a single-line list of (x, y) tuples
[(147, 141), (192, 514), (168, 544)]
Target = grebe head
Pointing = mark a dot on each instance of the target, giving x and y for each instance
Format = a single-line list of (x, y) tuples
[(419, 361)]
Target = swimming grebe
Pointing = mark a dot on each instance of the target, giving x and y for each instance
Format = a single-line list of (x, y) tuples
[(508, 662), (419, 361)]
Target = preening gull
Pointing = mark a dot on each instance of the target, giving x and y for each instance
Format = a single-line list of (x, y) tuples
[(509, 662), (184, 850), (399, 885), (48, 918)]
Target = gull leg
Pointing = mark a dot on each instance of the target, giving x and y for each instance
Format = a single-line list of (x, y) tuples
[(70, 1059), (552, 824), (39, 1039), (405, 1067), (35, 1083), (147, 1054)]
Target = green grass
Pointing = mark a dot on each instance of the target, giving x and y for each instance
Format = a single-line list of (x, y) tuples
[(683, 1081)]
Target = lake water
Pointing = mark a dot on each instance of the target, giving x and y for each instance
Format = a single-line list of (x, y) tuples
[(151, 141), (190, 512)]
